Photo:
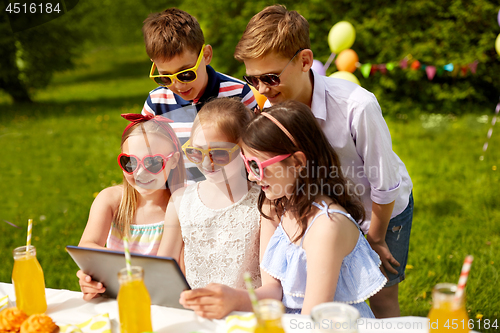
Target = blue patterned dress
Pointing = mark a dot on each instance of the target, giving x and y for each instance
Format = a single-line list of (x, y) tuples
[(359, 278)]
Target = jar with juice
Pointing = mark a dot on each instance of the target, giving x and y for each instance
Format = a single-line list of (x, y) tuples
[(270, 311), (448, 314), (134, 303), (28, 281)]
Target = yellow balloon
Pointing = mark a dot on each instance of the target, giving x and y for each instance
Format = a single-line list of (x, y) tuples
[(341, 36), (497, 44), (346, 76), (261, 99)]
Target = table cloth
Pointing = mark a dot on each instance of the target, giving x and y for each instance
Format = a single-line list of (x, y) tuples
[(68, 307)]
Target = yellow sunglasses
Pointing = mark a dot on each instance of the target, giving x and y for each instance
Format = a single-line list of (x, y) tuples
[(218, 156), (184, 76)]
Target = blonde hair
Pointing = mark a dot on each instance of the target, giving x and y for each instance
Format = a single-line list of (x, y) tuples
[(170, 33), (273, 30), (125, 213), (230, 116)]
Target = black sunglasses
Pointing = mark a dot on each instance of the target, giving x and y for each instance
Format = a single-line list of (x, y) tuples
[(271, 80)]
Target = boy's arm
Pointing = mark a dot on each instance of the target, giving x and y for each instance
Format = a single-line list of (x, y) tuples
[(149, 108), (381, 167), (248, 98), (381, 215)]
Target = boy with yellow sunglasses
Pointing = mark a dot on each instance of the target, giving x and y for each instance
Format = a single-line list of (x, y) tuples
[(176, 46)]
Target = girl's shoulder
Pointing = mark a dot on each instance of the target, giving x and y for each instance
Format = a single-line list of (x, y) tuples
[(179, 192), (111, 195), (176, 197), (331, 226), (330, 204), (335, 213)]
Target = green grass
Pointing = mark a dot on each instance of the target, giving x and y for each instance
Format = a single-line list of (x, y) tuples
[(59, 153), (457, 211)]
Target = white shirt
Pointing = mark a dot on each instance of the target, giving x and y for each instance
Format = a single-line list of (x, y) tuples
[(352, 121)]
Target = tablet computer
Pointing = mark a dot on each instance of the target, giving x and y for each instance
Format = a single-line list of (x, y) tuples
[(162, 275)]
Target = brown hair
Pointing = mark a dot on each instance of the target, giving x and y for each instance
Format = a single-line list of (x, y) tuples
[(230, 116), (170, 33), (273, 30), (128, 205), (322, 170)]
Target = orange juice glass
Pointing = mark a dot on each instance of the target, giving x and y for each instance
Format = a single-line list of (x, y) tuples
[(134, 303), (448, 315), (28, 281), (271, 311)]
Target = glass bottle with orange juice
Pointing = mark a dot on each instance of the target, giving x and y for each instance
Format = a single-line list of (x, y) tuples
[(134, 302), (448, 314), (270, 313), (28, 281)]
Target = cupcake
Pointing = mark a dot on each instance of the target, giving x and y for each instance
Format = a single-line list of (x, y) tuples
[(11, 320), (39, 323)]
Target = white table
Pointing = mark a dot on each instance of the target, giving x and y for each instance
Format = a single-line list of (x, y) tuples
[(68, 307)]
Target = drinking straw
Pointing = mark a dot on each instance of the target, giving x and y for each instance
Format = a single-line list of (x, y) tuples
[(251, 293), (127, 256), (28, 239), (464, 274)]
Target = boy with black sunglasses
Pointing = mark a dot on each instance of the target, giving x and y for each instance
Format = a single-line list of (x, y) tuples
[(176, 46), (279, 67)]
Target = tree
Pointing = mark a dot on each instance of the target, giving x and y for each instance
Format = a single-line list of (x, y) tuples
[(28, 58)]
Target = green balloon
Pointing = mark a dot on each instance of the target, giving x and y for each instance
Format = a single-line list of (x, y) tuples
[(497, 44), (346, 76), (341, 36)]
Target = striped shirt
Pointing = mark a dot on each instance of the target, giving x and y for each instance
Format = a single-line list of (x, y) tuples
[(143, 239), (162, 101)]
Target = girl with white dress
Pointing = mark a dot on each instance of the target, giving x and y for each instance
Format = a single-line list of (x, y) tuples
[(214, 224)]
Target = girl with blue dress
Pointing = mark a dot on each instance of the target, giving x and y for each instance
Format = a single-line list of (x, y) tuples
[(312, 248)]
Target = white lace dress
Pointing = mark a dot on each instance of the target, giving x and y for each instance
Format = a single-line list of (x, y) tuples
[(220, 244)]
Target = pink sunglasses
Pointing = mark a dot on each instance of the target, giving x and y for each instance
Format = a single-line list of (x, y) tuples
[(256, 167), (152, 163)]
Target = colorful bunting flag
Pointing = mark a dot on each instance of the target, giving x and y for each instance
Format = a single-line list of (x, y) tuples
[(430, 71), (365, 70), (473, 67), (413, 64), (403, 63), (448, 67), (382, 68)]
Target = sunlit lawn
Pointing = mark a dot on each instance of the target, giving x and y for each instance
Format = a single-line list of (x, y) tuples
[(60, 152)]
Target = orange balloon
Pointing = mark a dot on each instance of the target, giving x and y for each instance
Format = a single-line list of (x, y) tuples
[(261, 99), (347, 60)]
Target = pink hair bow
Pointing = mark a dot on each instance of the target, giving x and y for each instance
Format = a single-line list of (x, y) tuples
[(137, 118)]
